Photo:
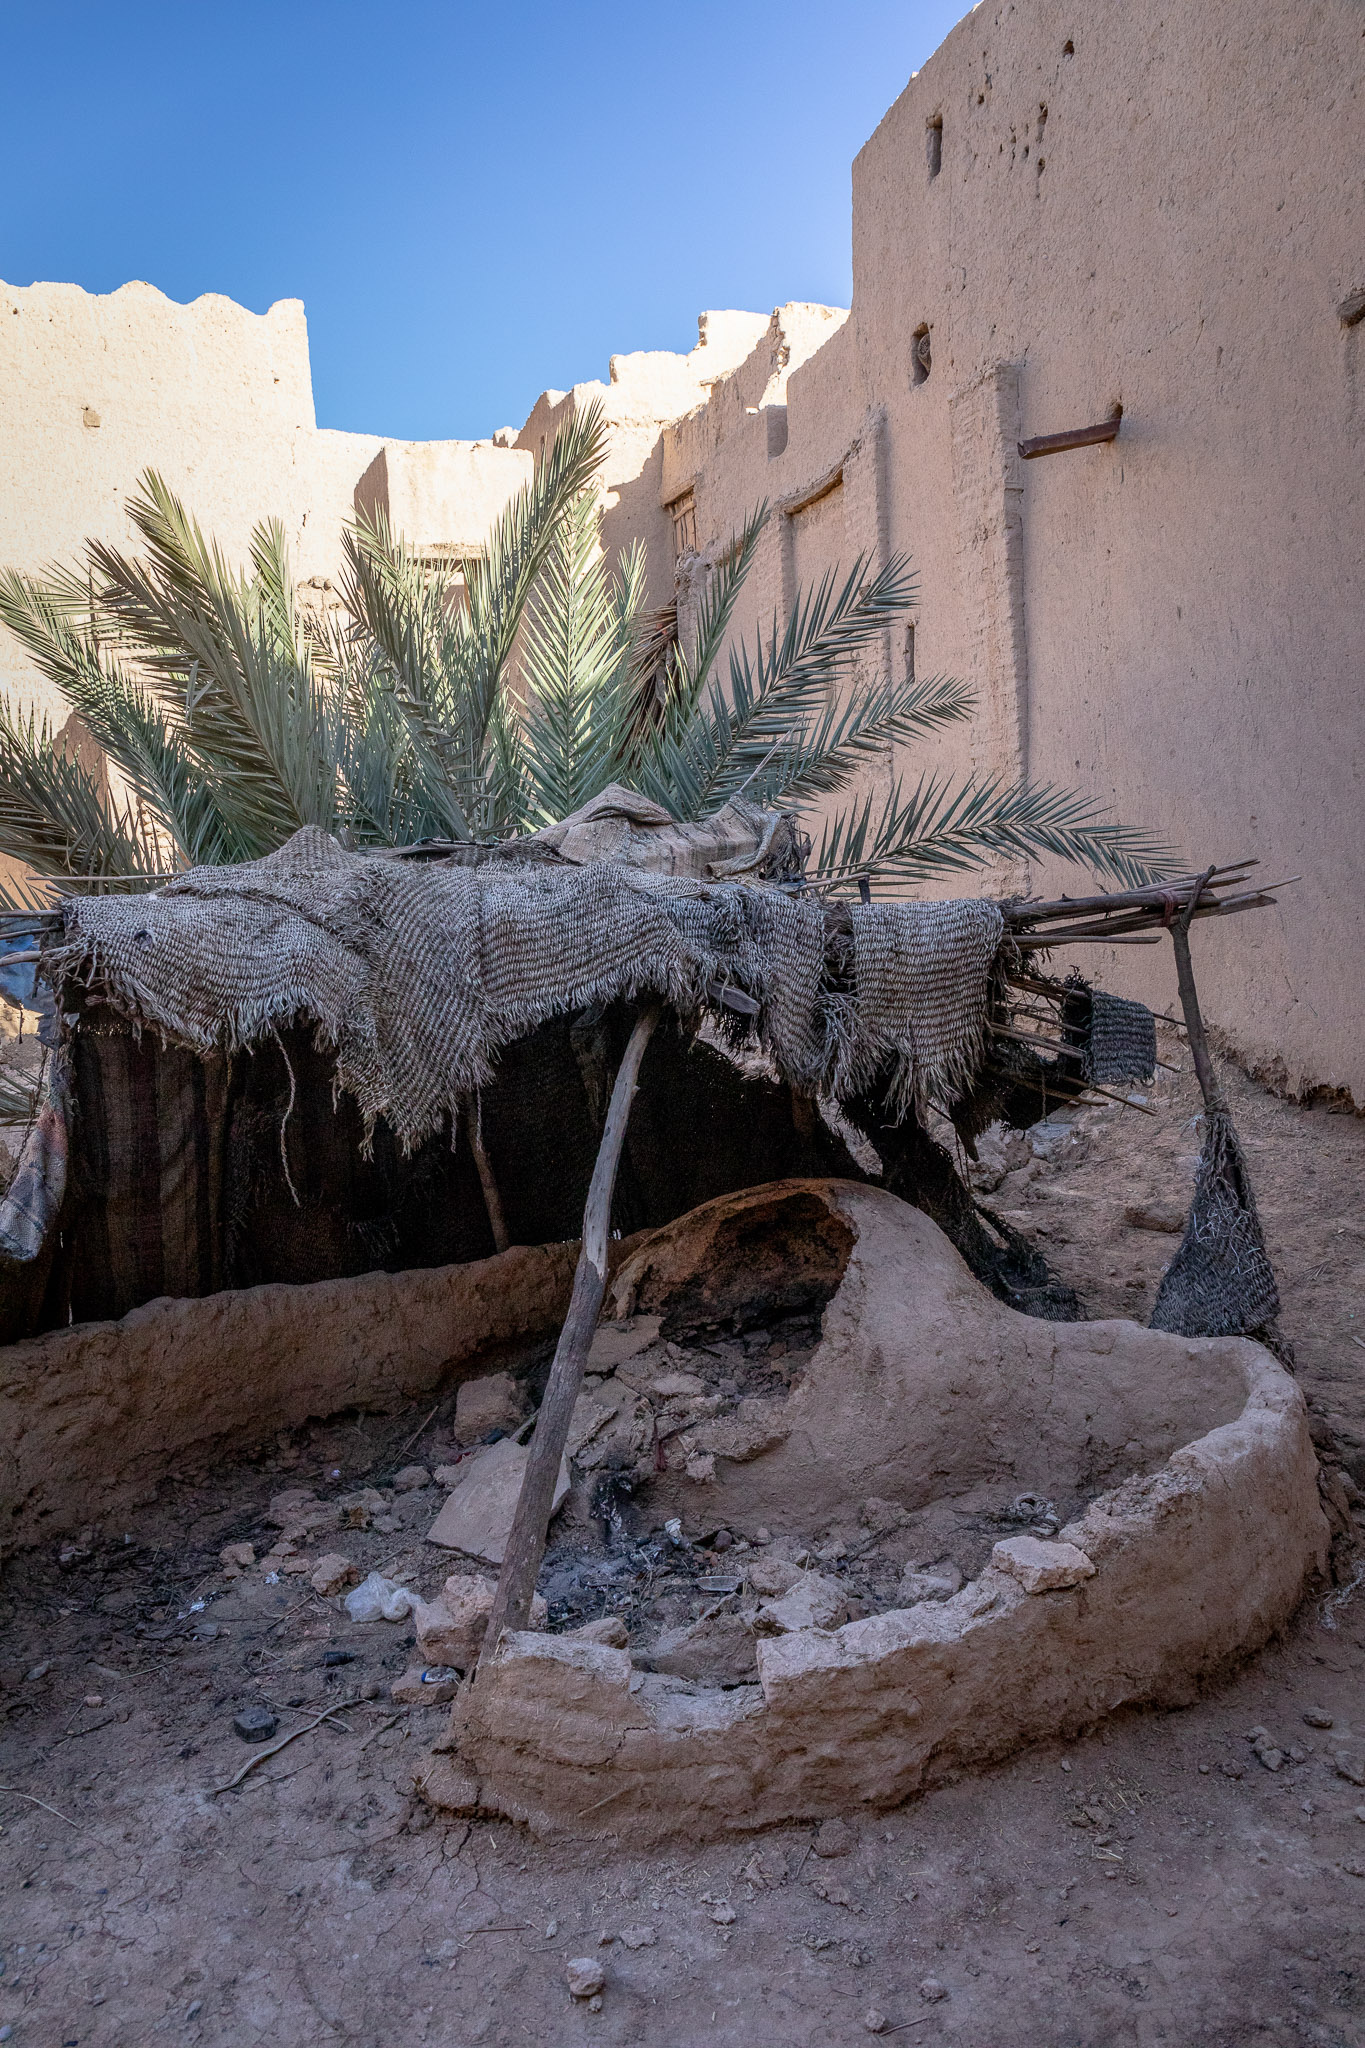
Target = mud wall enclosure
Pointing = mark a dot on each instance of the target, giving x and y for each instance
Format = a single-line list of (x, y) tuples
[(1186, 1521), (1185, 1468), (93, 1416)]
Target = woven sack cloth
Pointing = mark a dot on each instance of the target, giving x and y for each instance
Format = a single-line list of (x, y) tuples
[(418, 972), (1121, 1042), (1220, 1283)]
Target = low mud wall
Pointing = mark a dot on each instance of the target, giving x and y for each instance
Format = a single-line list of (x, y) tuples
[(93, 1416), (1193, 1529)]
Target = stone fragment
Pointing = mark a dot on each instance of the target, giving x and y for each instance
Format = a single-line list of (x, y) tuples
[(610, 1629), (875, 2022), (676, 1386), (451, 1628), (237, 1556), (284, 1506), (1350, 1766), (835, 1838), (585, 1976), (255, 1724), (637, 1937), (333, 1572), (1162, 1216), (450, 1476), (425, 1685), (720, 1650), (771, 1577), (932, 1991), (358, 1510), (493, 1402), (700, 1468), (938, 1582), (812, 1601), (1318, 1717), (590, 1417), (833, 1894), (477, 1519), (614, 1343), (723, 1913), (1042, 1567), (411, 1478)]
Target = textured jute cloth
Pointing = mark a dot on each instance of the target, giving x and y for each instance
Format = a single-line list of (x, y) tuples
[(1220, 1282), (418, 972)]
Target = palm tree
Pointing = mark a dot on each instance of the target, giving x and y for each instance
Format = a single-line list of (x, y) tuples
[(232, 719)]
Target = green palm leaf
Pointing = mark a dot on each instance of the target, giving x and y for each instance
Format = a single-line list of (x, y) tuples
[(940, 828)]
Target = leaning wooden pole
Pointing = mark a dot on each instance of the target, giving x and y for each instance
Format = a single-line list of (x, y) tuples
[(526, 1544), (1214, 1099)]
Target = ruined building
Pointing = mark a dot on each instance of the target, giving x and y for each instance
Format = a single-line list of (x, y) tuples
[(1073, 216)]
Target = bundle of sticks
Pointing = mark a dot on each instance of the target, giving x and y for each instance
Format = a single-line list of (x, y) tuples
[(1135, 917)]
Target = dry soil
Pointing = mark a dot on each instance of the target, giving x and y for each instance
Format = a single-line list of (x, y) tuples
[(1151, 1882)]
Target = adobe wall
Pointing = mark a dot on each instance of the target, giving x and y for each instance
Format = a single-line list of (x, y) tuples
[(96, 389), (1163, 212)]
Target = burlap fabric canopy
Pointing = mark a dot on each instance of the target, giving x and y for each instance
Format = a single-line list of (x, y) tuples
[(418, 972)]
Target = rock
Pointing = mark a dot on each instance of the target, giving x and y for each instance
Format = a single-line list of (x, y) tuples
[(477, 1518), (1349, 1766), (720, 1650), (1318, 1717), (757, 1425), (585, 1976), (237, 1556), (1264, 1750), (358, 1510), (771, 1577), (1042, 1567), (938, 1583), (610, 1630), (833, 1894), (255, 1724), (932, 1991), (411, 1478), (812, 1601), (378, 1599), (875, 2022), (333, 1572), (723, 1913), (451, 1628), (700, 1468), (1164, 1216), (1360, 1813), (637, 1937), (676, 1386), (1054, 1140), (425, 1685), (835, 1838), (284, 1506), (614, 1343), (493, 1402), (590, 1417)]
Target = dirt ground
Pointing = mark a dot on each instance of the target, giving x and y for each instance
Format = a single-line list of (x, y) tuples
[(1151, 1882)]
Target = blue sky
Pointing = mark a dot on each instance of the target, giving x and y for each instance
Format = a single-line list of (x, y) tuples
[(472, 201)]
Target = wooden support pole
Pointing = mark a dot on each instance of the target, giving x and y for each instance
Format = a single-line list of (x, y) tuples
[(530, 1525), (1075, 437), (492, 1197), (1214, 1099)]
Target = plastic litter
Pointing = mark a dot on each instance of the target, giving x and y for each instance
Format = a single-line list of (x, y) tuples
[(379, 1599)]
